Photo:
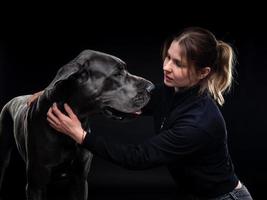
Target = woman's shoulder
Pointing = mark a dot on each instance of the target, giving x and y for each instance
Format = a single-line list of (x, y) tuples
[(208, 116), (206, 106), (200, 111)]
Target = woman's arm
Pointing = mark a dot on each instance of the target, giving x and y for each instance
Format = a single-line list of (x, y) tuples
[(168, 146)]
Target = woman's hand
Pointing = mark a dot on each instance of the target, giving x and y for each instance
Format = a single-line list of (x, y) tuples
[(34, 97), (67, 124)]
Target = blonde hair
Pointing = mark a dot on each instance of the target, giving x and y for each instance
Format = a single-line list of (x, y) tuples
[(201, 49), (220, 81)]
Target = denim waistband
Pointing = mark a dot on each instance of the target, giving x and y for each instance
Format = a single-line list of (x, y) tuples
[(237, 194)]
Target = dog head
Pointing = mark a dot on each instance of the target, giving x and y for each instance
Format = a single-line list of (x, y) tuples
[(103, 83)]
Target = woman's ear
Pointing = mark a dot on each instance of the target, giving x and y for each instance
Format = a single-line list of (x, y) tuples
[(204, 72)]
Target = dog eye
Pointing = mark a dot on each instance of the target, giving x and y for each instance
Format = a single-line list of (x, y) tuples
[(121, 67), (84, 74), (97, 74), (118, 74), (110, 84)]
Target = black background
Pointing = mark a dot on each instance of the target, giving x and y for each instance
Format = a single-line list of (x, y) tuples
[(35, 43)]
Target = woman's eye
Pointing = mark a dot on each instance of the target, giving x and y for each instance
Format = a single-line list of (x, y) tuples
[(167, 58), (178, 64)]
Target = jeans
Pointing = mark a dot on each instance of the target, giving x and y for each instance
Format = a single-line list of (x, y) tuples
[(237, 194)]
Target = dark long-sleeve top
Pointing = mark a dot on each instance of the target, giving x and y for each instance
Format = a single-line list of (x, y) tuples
[(190, 139)]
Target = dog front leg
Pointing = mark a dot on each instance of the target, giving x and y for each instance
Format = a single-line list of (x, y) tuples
[(35, 193), (79, 188), (37, 181), (7, 142)]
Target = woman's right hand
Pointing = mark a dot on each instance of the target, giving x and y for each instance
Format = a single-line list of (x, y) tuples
[(68, 124), (34, 97)]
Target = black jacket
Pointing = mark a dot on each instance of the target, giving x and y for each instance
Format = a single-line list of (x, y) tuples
[(191, 140)]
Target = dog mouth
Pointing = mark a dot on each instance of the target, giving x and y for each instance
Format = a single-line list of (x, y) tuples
[(138, 102), (118, 115)]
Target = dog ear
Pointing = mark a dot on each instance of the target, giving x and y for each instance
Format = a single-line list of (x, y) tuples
[(63, 74), (71, 68)]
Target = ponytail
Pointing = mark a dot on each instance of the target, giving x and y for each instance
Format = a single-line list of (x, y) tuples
[(221, 79)]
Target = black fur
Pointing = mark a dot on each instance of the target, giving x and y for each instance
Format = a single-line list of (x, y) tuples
[(91, 83)]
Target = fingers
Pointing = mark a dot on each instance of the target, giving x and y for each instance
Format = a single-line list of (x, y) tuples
[(67, 124), (52, 117), (57, 119), (57, 113), (55, 122), (52, 123), (69, 111)]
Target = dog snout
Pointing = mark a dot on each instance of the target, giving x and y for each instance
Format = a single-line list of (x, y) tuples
[(139, 100), (150, 88), (144, 86)]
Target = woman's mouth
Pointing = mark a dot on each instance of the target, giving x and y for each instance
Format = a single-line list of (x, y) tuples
[(167, 78)]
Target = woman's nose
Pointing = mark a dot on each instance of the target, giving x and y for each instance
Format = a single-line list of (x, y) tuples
[(167, 67)]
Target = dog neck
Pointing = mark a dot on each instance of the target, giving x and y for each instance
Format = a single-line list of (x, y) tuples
[(61, 94)]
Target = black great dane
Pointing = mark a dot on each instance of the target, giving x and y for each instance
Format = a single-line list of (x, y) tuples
[(91, 83)]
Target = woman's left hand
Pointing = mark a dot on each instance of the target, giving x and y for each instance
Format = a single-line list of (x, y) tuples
[(67, 124), (34, 97)]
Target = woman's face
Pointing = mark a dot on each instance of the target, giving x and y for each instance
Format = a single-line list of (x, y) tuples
[(177, 73)]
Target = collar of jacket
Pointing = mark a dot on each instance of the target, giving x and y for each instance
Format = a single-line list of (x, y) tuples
[(175, 98)]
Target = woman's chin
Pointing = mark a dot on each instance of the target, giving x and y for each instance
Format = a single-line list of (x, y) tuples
[(167, 83)]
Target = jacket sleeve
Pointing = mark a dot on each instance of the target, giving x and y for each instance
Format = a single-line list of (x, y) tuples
[(164, 148)]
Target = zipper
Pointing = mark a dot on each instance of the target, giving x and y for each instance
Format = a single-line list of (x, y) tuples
[(163, 123), (167, 114)]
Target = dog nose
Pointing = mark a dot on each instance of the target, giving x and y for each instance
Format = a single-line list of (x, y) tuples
[(150, 88)]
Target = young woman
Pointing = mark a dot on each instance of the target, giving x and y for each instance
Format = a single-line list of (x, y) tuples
[(191, 134)]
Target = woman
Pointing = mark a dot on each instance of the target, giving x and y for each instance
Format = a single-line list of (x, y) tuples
[(191, 134)]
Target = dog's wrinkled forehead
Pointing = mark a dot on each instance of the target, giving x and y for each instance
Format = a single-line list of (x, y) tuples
[(94, 62), (103, 63)]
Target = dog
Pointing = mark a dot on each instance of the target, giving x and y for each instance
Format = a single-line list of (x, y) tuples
[(92, 82)]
